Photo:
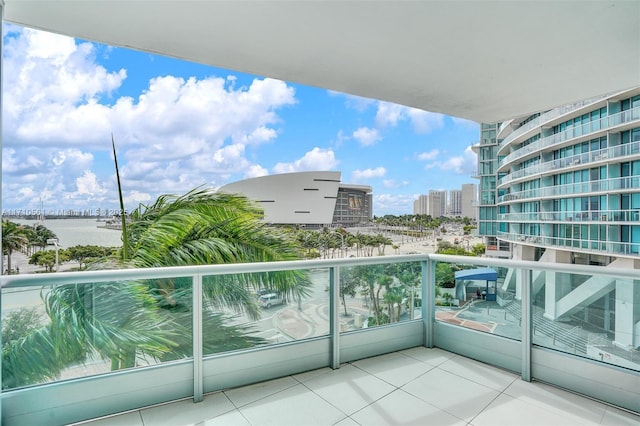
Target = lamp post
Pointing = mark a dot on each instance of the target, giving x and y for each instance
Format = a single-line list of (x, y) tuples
[(54, 242)]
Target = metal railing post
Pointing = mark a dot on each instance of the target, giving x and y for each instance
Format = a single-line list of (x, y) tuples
[(334, 326), (198, 373), (526, 324), (1, 145), (428, 300)]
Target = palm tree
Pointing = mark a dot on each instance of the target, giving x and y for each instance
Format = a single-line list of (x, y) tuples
[(152, 319), (13, 239), (203, 228), (40, 236)]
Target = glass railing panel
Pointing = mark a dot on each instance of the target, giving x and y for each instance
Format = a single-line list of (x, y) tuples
[(478, 297), (241, 311), (589, 316), (58, 332), (378, 295)]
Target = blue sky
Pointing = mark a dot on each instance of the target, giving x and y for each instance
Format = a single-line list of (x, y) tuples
[(179, 125)]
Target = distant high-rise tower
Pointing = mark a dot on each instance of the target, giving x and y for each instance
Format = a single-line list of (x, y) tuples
[(468, 200), (437, 203), (421, 205), (455, 202)]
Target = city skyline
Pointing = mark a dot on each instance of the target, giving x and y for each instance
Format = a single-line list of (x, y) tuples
[(178, 125)]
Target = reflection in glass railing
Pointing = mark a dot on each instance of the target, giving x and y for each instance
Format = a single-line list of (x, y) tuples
[(376, 295), (72, 325), (67, 331), (589, 317), (477, 297), (295, 310)]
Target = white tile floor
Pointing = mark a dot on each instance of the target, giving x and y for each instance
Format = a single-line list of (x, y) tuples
[(417, 386)]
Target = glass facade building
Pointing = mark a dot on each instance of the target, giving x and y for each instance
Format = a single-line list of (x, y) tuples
[(354, 205), (567, 179), (488, 226), (563, 187)]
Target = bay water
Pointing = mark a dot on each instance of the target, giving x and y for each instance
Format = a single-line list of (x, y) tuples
[(73, 232)]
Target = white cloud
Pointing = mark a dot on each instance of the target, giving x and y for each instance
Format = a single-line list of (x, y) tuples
[(424, 121), (359, 175), (396, 204), (175, 135), (72, 158), (393, 184), (366, 136), (52, 85), (229, 159), (53, 95), (258, 136), (20, 163), (315, 160), (255, 170), (389, 115), (465, 164), (427, 156), (134, 198), (340, 139), (89, 186)]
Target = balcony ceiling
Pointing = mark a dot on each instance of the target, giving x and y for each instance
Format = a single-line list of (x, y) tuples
[(480, 60)]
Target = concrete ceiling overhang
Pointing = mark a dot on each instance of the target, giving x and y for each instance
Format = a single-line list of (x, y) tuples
[(481, 60)]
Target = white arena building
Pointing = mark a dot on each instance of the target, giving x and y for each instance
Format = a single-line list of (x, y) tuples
[(311, 199)]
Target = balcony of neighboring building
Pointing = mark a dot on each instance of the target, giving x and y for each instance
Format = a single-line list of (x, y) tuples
[(582, 216), (575, 244), (626, 184), (615, 122), (623, 152), (532, 125)]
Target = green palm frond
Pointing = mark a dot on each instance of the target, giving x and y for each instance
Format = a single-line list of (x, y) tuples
[(152, 319), (109, 317)]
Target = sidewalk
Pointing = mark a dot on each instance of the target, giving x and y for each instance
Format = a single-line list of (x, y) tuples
[(20, 262), (313, 320)]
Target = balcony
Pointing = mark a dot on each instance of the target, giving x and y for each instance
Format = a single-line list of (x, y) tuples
[(413, 386), (584, 131), (618, 152), (579, 244), (619, 184), (589, 216), (545, 118), (308, 353)]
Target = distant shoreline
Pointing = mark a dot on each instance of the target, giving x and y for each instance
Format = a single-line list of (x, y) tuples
[(114, 226)]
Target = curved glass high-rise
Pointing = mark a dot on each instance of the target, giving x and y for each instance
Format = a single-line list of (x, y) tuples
[(566, 181)]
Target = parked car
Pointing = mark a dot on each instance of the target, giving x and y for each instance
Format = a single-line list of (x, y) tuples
[(270, 299), (264, 291)]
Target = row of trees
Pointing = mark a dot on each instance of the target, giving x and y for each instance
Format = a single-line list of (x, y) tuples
[(328, 243), (27, 239), (32, 240), (419, 221), (83, 254), (445, 272), (388, 289)]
